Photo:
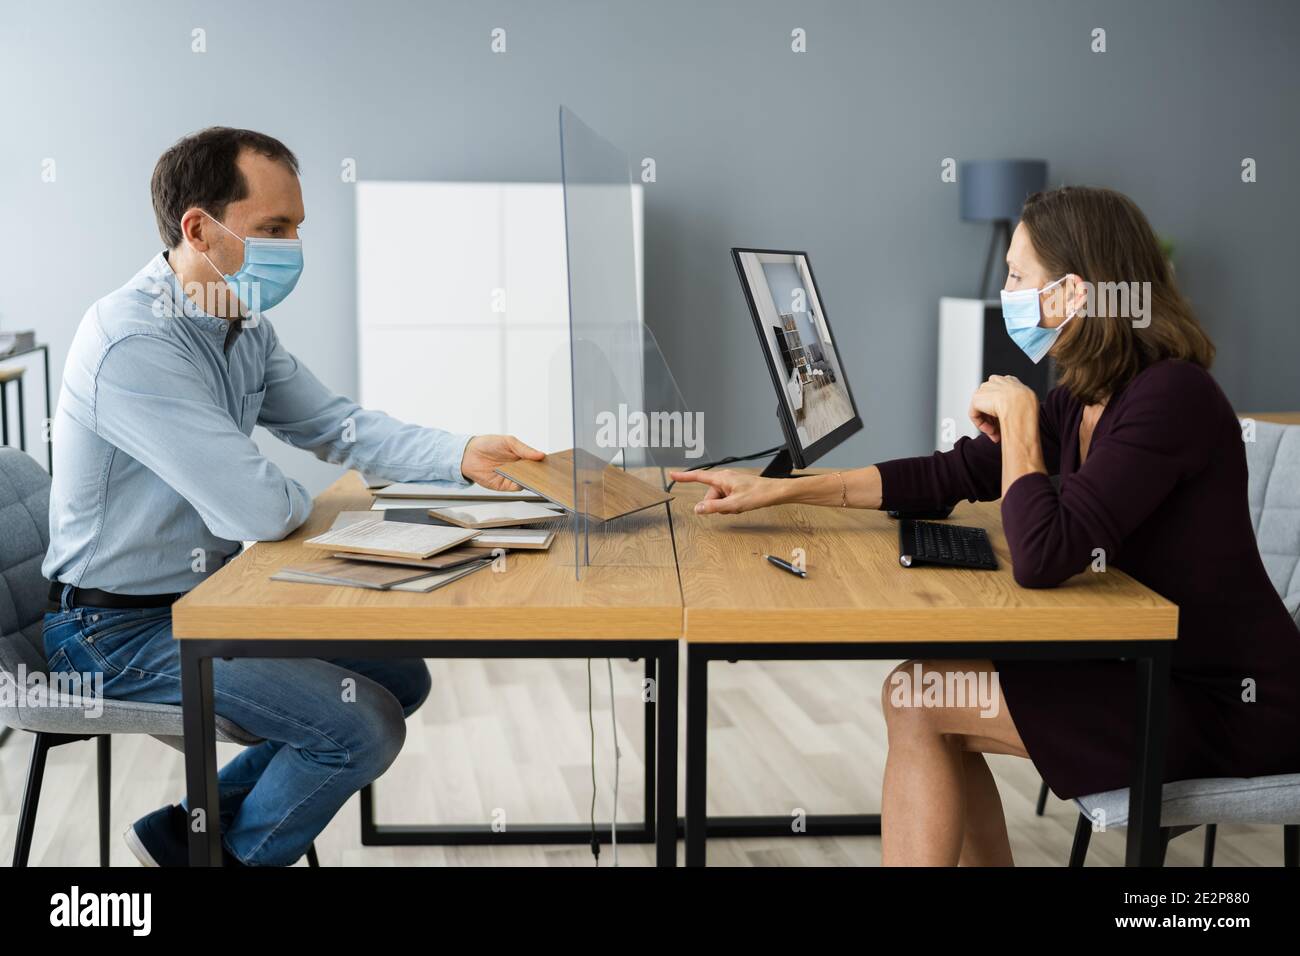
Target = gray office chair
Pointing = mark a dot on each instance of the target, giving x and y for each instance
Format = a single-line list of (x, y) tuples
[(1188, 804), (24, 538), (1273, 459)]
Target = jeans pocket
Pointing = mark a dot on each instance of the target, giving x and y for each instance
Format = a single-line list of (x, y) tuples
[(59, 626), (58, 662), (104, 627), (101, 635)]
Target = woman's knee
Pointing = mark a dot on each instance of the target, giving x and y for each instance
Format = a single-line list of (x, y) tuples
[(902, 701)]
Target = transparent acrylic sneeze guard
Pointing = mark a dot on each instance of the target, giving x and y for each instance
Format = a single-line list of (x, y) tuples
[(627, 409)]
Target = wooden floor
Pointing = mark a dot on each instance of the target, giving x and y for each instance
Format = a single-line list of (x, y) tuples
[(510, 739)]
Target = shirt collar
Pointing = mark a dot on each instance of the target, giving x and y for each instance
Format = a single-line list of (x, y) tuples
[(188, 308)]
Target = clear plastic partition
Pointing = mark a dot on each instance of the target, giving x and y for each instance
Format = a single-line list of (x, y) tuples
[(629, 416)]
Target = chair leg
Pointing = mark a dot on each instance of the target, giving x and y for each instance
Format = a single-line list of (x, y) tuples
[(1082, 837), (1042, 799), (31, 800), (312, 858), (22, 419), (1211, 832), (104, 758), (1291, 845)]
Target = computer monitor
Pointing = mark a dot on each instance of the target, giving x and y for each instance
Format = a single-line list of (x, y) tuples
[(814, 402)]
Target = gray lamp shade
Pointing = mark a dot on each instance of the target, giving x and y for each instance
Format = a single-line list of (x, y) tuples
[(994, 189)]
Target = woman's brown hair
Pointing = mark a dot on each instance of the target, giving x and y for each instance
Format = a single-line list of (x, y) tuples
[(1103, 237)]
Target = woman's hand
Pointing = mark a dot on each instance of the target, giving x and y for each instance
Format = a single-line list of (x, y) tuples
[(732, 492), (994, 401)]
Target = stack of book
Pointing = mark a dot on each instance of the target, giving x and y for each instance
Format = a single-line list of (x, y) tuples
[(417, 538), (16, 342), (438, 494)]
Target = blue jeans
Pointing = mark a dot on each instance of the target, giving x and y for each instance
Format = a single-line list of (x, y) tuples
[(329, 727)]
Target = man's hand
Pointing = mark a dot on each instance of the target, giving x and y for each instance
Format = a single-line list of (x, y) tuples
[(484, 453)]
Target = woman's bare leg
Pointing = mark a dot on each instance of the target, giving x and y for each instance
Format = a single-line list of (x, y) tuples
[(984, 838), (922, 805), (932, 794)]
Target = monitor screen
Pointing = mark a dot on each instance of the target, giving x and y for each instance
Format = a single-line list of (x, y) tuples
[(812, 389)]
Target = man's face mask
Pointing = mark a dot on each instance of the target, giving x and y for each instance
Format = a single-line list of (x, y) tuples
[(270, 270)]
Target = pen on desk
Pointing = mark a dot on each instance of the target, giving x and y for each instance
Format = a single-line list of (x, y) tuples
[(785, 565)]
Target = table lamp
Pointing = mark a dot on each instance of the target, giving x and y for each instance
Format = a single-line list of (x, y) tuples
[(995, 190)]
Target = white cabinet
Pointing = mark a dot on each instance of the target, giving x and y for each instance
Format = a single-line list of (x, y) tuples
[(973, 344), (462, 306), (961, 364)]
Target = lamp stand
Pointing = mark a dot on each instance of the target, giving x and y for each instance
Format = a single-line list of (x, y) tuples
[(1001, 231)]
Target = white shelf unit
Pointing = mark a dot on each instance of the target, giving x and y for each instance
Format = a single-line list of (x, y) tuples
[(462, 306)]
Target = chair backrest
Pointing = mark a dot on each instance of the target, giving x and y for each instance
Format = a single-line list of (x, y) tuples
[(24, 539), (1273, 459)]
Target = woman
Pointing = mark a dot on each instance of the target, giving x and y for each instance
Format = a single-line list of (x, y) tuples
[(1152, 472)]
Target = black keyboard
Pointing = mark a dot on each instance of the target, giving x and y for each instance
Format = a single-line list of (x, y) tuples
[(926, 542)]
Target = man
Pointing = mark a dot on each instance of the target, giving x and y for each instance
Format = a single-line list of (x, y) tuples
[(157, 482)]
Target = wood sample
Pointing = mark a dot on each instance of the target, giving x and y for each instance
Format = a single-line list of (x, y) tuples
[(604, 492)]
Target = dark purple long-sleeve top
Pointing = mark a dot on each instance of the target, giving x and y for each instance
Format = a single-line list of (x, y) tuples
[(1163, 494)]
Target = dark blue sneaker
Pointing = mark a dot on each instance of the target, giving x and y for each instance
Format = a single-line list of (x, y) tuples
[(159, 838)]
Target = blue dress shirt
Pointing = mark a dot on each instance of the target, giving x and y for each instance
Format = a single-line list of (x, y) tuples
[(156, 480)]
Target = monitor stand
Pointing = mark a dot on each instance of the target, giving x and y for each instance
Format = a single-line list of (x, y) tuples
[(782, 466)]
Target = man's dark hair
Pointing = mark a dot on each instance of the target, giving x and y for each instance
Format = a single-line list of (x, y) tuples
[(199, 170)]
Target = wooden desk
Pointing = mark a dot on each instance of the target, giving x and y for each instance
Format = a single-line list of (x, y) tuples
[(631, 593), (858, 603), (857, 591), (628, 605)]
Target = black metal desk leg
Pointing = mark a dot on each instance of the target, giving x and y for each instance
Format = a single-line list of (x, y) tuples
[(697, 753), (1146, 791), (204, 818), (651, 730), (665, 805)]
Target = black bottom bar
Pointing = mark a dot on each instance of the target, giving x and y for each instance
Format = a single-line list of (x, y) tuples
[(560, 834), (469, 834), (825, 825)]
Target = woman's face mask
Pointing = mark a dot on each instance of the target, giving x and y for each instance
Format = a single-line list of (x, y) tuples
[(1022, 313)]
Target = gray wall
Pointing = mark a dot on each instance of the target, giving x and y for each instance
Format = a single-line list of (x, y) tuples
[(836, 151)]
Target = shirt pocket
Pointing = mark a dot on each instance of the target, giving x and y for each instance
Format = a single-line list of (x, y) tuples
[(252, 406)]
